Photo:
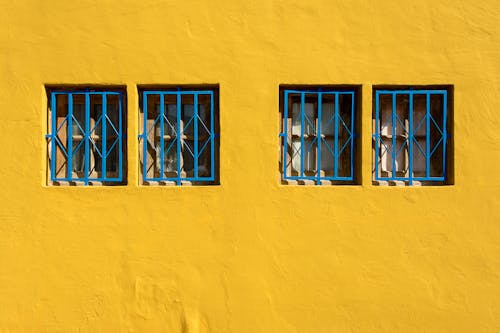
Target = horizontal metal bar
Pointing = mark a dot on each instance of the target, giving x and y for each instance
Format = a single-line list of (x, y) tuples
[(316, 178), (328, 92), (87, 92), (89, 179), (413, 178), (414, 92), (174, 179), (182, 92)]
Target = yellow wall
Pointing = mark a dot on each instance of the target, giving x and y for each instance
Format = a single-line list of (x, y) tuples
[(250, 255)]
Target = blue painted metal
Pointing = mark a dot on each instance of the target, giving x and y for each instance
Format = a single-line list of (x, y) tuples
[(69, 162), (53, 135), (336, 138), (302, 128), (162, 135), (411, 140), (212, 134), (144, 137), (195, 131), (285, 133), (319, 138), (86, 139), (120, 136), (335, 118), (353, 105), (199, 147), (104, 140), (178, 137), (428, 135)]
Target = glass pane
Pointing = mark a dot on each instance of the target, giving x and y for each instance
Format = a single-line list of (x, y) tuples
[(436, 132), (385, 115), (309, 118), (327, 156), (328, 115), (170, 152), (78, 156), (309, 154)]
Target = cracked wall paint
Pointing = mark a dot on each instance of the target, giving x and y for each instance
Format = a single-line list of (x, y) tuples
[(249, 255)]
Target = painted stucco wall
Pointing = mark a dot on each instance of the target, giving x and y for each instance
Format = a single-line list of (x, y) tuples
[(250, 255)]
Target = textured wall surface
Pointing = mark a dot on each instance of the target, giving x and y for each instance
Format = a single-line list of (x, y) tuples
[(250, 255)]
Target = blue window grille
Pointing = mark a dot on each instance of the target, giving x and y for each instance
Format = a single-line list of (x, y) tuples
[(319, 135), (410, 135), (86, 137), (178, 136)]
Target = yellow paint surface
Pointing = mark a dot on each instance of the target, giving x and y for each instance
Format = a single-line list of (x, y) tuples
[(250, 255)]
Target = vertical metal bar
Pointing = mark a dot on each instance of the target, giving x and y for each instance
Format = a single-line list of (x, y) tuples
[(410, 137), (428, 135), (53, 109), (70, 137), (318, 139), (104, 136), (145, 137), (352, 134), (179, 105), (393, 150), (445, 132), (195, 137), (302, 145), (120, 137), (162, 136), (336, 138), (87, 137), (378, 158), (285, 134), (212, 135)]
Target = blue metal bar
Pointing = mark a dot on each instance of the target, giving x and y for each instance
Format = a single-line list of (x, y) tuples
[(285, 137), (174, 179), (410, 138), (145, 137), (445, 133), (83, 92), (378, 158), (69, 162), (318, 139), (352, 134), (120, 137), (393, 150), (427, 179), (103, 133), (195, 136), (330, 92), (302, 123), (428, 136), (178, 92), (336, 139), (212, 136), (87, 138), (406, 92), (179, 106), (162, 135), (53, 109)]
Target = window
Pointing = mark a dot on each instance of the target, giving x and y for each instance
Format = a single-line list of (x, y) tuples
[(85, 140), (178, 140), (411, 135), (318, 135)]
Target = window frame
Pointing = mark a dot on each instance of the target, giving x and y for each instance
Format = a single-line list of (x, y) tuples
[(181, 178), (411, 128), (319, 176), (88, 137)]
